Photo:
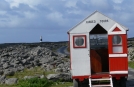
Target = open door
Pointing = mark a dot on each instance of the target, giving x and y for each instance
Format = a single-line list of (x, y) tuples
[(99, 50)]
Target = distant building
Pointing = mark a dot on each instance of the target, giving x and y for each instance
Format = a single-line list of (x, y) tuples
[(40, 38)]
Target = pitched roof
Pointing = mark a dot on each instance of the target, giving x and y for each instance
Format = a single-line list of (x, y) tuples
[(92, 20)]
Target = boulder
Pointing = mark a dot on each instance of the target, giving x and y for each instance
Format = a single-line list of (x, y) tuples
[(11, 81), (29, 77), (6, 65), (1, 72), (59, 77), (9, 72), (2, 79)]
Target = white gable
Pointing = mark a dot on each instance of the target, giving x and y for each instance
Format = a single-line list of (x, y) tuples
[(91, 21), (122, 31)]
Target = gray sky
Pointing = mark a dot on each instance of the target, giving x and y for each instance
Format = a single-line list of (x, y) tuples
[(27, 20)]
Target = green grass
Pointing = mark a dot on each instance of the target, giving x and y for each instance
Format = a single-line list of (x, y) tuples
[(55, 84), (35, 82), (31, 72), (4, 85), (62, 84), (131, 64)]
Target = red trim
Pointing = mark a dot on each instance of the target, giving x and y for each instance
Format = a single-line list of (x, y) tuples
[(81, 78), (117, 76), (70, 51), (110, 44), (116, 29), (85, 41), (124, 36)]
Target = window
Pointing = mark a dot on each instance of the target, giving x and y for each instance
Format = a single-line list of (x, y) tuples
[(117, 40), (79, 41), (117, 44)]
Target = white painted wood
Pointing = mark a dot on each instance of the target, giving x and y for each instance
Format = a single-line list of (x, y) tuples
[(118, 72), (117, 49), (117, 55), (101, 79), (80, 58), (101, 85), (90, 84), (110, 31), (96, 18)]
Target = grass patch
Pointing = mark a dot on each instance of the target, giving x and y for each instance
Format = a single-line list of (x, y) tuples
[(62, 84), (39, 82), (131, 64), (5, 85), (31, 72), (35, 82)]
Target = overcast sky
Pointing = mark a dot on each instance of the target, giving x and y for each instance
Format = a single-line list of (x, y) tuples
[(27, 20)]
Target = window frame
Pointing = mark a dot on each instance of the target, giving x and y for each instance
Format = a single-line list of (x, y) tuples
[(85, 41), (117, 45)]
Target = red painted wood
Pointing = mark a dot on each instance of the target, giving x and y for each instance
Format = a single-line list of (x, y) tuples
[(116, 29), (81, 78), (100, 75), (110, 49), (124, 39), (70, 52), (124, 44), (118, 64), (96, 65)]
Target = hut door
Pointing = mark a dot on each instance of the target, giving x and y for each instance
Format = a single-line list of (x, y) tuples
[(80, 62), (99, 49)]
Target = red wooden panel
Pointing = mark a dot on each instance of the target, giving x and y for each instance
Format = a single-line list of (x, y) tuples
[(95, 62), (124, 39), (118, 64), (110, 44), (124, 43)]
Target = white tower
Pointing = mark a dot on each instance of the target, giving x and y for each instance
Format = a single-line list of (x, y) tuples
[(40, 38)]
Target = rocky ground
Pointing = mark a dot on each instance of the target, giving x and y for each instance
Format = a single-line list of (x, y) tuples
[(16, 57)]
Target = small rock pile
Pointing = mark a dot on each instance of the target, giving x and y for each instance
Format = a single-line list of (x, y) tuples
[(17, 57)]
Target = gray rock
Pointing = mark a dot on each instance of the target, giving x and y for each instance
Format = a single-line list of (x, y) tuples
[(61, 77), (48, 67), (5, 66), (29, 77), (2, 79), (11, 81), (52, 54), (44, 60), (24, 61), (58, 70), (36, 51), (42, 76), (60, 65), (52, 76), (3, 60), (20, 68), (16, 61), (1, 72), (9, 72)]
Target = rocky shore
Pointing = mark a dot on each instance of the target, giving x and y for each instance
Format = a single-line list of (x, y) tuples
[(16, 57)]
